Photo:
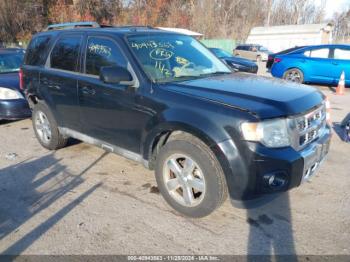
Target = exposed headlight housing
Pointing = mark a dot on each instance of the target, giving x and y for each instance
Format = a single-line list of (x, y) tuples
[(9, 94), (271, 133)]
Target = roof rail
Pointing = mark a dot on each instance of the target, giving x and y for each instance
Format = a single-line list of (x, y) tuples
[(71, 25), (135, 27)]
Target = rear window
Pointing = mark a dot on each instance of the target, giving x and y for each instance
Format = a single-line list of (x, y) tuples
[(36, 51), (10, 62), (65, 54)]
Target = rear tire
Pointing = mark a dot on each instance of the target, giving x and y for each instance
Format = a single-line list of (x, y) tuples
[(294, 75), (46, 129), (189, 176)]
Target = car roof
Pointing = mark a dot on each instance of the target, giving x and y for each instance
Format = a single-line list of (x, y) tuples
[(310, 47), (121, 30), (329, 45)]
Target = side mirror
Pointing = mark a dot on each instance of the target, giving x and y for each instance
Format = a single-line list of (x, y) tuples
[(114, 75)]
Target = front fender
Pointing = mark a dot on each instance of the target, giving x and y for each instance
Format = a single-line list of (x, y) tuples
[(189, 121)]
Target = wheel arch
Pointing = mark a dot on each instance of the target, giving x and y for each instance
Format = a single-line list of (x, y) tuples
[(161, 134), (196, 123)]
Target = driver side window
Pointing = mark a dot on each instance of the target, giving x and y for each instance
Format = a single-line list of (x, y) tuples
[(102, 52)]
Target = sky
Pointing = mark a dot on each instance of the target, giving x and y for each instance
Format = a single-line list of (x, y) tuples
[(333, 6)]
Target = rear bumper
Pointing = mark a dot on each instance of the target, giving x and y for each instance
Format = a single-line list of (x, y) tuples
[(276, 71), (14, 109), (248, 172)]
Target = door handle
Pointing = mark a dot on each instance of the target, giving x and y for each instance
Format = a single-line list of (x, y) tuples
[(335, 63), (88, 91), (53, 86)]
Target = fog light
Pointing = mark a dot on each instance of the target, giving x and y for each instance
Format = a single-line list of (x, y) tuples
[(275, 181)]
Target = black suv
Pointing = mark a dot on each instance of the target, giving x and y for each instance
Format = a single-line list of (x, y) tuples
[(165, 100)]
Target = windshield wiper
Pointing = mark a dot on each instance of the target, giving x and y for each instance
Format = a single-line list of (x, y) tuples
[(190, 77), (215, 73)]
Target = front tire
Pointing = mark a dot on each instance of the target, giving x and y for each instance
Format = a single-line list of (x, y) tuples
[(189, 177), (46, 129), (294, 75)]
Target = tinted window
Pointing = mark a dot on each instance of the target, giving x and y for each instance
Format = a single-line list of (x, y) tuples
[(36, 51), (239, 48), (342, 54), (102, 52), (319, 53), (66, 52)]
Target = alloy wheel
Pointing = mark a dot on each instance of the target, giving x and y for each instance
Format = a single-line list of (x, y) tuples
[(293, 76), (43, 128), (184, 180)]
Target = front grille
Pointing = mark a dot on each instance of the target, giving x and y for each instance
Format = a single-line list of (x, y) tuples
[(310, 126)]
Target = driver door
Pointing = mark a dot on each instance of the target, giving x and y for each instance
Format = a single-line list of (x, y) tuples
[(109, 112)]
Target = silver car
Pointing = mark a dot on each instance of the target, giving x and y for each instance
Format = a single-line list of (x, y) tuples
[(252, 52)]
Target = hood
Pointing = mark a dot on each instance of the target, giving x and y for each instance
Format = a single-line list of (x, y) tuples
[(261, 96), (9, 80)]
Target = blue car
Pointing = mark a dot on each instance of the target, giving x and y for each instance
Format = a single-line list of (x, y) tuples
[(236, 63), (322, 64), (13, 104)]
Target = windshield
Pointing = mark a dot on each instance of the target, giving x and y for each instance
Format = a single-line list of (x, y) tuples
[(10, 62), (168, 57), (221, 53)]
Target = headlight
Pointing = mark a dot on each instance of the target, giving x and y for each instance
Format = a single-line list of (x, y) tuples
[(271, 133), (9, 94)]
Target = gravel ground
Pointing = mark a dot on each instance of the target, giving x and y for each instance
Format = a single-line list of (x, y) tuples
[(82, 200)]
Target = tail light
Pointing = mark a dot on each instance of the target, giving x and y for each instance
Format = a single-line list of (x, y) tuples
[(21, 81), (277, 60)]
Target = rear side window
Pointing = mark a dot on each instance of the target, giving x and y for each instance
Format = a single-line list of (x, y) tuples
[(318, 53), (65, 54), (102, 52), (342, 54), (239, 47), (36, 51)]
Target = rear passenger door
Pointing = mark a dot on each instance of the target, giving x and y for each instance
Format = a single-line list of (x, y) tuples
[(318, 65), (59, 79)]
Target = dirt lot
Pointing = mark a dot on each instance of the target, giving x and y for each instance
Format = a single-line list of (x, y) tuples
[(81, 200)]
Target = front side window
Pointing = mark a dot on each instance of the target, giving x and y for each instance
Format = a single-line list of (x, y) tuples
[(102, 52), (10, 62), (342, 54), (65, 54), (169, 57)]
